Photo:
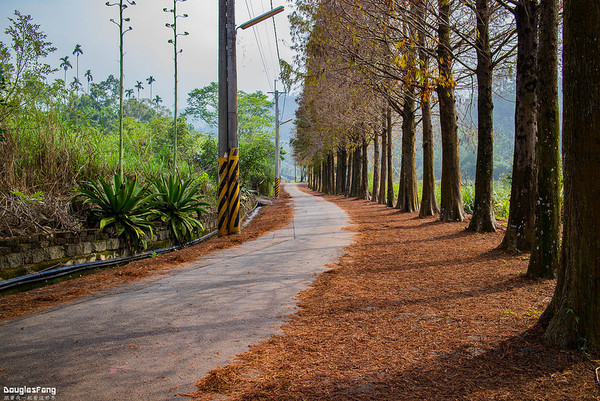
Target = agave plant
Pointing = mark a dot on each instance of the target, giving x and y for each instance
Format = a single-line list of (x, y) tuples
[(122, 204), (179, 203)]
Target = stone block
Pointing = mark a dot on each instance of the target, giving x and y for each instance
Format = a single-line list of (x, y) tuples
[(86, 247), (99, 246), (54, 252), (36, 256), (112, 244), (73, 250), (13, 260)]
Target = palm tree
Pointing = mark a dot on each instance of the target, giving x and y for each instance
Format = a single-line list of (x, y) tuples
[(65, 65), (139, 86), (76, 53), (150, 80), (157, 100), (90, 78), (129, 93), (76, 85)]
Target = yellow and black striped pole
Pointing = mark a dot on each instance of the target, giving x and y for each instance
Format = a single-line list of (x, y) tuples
[(277, 183), (223, 220), (233, 195)]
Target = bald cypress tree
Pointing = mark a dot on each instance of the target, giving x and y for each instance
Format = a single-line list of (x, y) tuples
[(575, 308)]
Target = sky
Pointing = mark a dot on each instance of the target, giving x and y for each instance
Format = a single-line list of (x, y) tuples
[(147, 52)]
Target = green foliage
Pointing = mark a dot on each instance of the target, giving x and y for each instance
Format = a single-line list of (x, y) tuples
[(178, 202), (22, 64), (254, 110), (37, 197), (502, 198), (257, 162), (255, 119), (121, 204), (468, 194), (203, 104), (254, 113), (206, 157)]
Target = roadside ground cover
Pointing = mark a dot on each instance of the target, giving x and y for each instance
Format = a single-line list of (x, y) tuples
[(416, 309)]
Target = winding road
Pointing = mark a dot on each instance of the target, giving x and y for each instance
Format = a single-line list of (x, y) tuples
[(152, 339)]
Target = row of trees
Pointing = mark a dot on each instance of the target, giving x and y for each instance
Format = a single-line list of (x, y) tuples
[(76, 85), (364, 61)]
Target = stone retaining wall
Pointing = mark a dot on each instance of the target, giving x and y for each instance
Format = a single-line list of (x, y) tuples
[(29, 254)]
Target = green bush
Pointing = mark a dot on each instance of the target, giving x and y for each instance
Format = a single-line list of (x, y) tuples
[(178, 202), (121, 204)]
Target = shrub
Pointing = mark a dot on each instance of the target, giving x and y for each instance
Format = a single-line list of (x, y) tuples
[(178, 202), (121, 204)]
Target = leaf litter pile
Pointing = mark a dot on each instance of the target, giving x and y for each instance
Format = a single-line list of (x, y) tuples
[(416, 309), (269, 218)]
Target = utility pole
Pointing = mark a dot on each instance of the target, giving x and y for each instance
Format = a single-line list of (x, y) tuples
[(229, 191), (277, 144)]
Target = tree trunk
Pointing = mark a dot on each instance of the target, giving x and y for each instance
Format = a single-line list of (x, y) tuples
[(364, 178), (521, 215), (356, 164), (320, 187), (545, 251), (429, 205), (324, 175), (451, 208), (331, 160), (576, 317), (384, 171), (327, 175), (390, 171), (483, 219), (341, 171), (349, 174), (375, 191), (408, 198)]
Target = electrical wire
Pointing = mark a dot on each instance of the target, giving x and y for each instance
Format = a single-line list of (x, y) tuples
[(260, 51), (276, 44)]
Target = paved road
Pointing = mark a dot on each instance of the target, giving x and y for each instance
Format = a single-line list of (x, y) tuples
[(154, 338)]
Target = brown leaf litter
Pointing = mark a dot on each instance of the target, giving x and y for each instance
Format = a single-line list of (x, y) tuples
[(416, 309)]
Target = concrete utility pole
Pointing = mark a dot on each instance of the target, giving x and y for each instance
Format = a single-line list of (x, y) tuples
[(277, 144), (229, 191), (229, 200)]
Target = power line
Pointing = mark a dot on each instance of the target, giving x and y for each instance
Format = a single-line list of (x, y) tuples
[(262, 57), (268, 37), (277, 46)]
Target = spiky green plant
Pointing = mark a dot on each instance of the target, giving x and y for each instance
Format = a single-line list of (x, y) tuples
[(179, 203), (122, 204)]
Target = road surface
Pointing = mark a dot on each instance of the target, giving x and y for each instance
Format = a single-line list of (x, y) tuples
[(152, 339)]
